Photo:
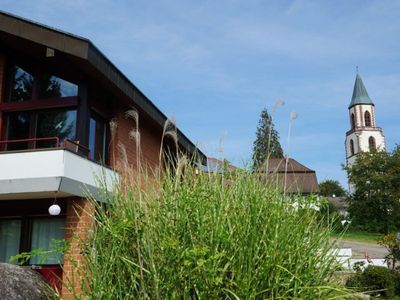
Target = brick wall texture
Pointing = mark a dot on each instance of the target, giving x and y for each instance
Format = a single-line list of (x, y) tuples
[(77, 225), (150, 139)]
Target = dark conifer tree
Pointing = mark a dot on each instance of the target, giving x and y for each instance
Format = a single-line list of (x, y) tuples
[(267, 143)]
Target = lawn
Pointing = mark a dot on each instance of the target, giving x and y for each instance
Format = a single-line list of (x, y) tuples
[(361, 236)]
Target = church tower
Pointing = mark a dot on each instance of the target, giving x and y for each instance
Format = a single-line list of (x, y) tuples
[(363, 135)]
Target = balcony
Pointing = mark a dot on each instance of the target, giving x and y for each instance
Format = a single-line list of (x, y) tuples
[(43, 173)]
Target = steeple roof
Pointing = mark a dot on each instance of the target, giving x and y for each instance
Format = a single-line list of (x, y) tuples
[(360, 94)]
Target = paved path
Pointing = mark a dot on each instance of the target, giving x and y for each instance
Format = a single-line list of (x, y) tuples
[(359, 248)]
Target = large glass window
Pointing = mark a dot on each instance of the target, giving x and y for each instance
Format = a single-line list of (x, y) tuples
[(40, 124), (98, 139), (10, 232), (55, 123), (55, 87), (22, 87), (44, 232), (18, 127)]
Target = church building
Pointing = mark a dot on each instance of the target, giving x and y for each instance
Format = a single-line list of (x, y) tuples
[(364, 134)]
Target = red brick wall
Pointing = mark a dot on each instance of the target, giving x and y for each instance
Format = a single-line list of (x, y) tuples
[(150, 137), (78, 223)]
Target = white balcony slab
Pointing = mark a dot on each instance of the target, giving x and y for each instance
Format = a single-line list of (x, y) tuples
[(46, 173)]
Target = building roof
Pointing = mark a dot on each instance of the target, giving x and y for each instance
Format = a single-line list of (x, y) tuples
[(32, 35), (360, 94), (299, 178), (215, 165)]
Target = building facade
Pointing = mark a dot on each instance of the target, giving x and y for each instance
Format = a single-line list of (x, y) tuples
[(364, 135), (58, 96)]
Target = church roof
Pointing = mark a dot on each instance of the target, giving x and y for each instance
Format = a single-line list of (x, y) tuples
[(360, 94)]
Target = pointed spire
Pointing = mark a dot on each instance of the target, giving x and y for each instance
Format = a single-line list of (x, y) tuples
[(360, 94)]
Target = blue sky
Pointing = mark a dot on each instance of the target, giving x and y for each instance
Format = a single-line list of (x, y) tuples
[(214, 65)]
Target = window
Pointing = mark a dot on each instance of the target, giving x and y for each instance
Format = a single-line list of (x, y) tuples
[(353, 122), (98, 139), (372, 144), (18, 127), (29, 233), (55, 87), (48, 123), (351, 147), (44, 231), (38, 119), (22, 85), (55, 123), (367, 118), (10, 231)]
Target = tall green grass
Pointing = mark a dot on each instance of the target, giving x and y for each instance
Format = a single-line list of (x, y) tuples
[(206, 236)]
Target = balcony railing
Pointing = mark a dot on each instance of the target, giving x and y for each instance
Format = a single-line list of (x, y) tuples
[(51, 142)]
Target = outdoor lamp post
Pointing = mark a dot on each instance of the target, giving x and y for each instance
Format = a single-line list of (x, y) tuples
[(293, 116), (278, 103)]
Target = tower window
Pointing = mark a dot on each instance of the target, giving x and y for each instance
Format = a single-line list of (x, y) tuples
[(372, 144), (367, 118), (351, 147), (353, 122)]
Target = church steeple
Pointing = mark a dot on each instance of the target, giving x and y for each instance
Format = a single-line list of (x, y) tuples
[(360, 94), (363, 135)]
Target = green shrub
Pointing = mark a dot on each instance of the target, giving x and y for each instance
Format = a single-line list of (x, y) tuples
[(206, 237), (375, 278), (397, 282)]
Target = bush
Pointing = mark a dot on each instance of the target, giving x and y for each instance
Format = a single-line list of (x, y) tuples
[(375, 278), (205, 237)]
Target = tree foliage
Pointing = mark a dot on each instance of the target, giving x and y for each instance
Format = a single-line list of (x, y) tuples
[(392, 244), (375, 205), (267, 143), (331, 187)]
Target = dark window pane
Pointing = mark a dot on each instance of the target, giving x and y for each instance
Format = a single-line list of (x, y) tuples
[(367, 117), (61, 124), (97, 139), (10, 232), (17, 129), (22, 88), (92, 137), (55, 87)]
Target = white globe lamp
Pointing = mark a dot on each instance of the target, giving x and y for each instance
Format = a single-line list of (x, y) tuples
[(54, 210)]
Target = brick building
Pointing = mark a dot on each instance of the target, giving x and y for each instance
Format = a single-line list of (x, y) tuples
[(58, 95)]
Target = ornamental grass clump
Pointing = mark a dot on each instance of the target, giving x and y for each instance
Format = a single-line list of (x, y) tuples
[(185, 235)]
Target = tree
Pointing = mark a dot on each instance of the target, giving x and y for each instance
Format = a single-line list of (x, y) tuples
[(331, 187), (392, 244), (375, 205), (267, 143)]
